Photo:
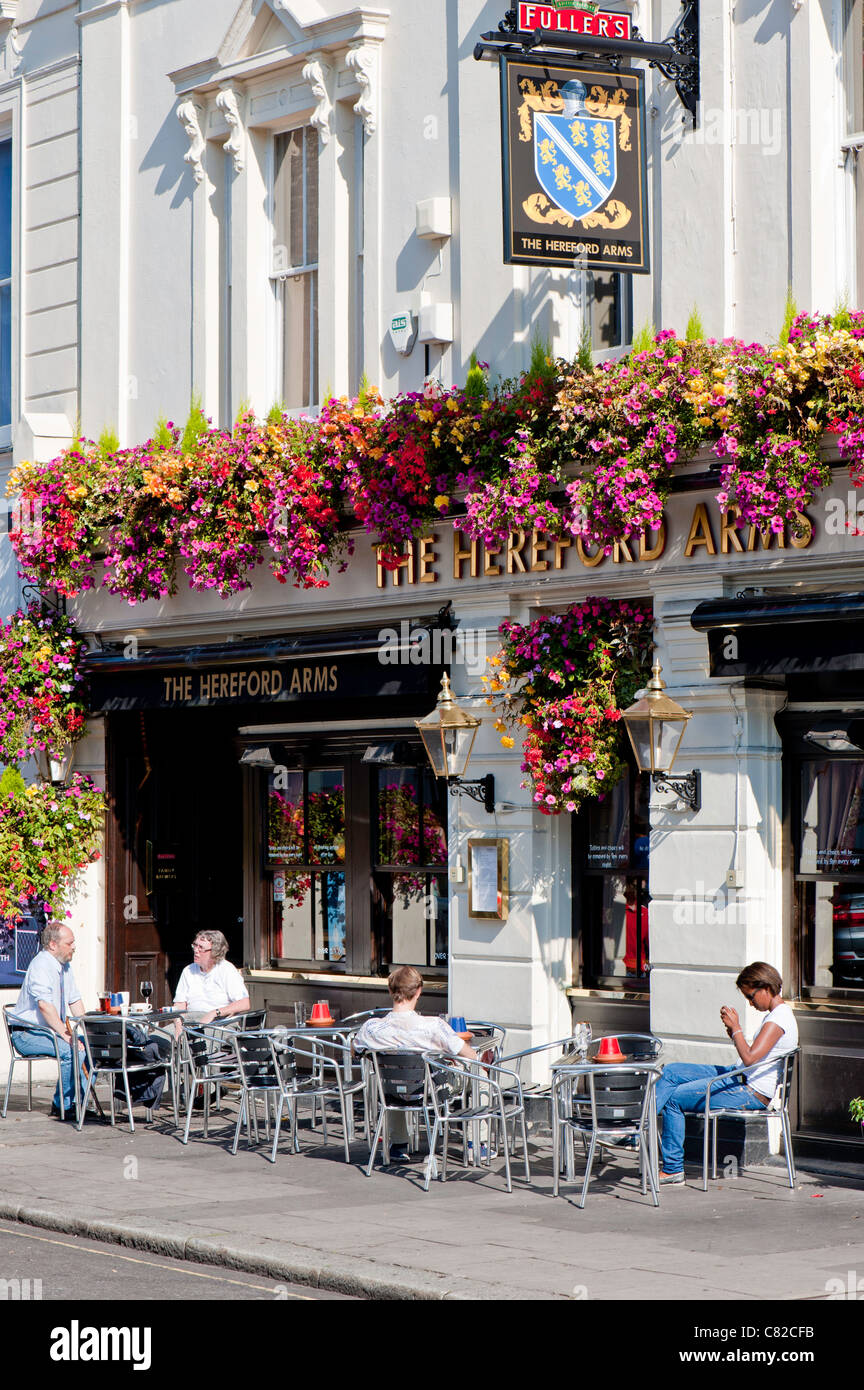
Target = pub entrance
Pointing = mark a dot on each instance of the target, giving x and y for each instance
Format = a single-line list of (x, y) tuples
[(174, 843)]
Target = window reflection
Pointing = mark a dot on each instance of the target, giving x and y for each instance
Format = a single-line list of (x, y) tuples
[(309, 917)]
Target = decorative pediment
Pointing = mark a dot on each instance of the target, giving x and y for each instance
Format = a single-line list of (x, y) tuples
[(265, 35)]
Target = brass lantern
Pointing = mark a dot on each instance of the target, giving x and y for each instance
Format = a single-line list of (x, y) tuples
[(656, 724), (448, 735)]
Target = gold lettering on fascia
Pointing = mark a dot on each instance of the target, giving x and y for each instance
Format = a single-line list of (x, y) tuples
[(254, 684), (737, 537), (525, 552)]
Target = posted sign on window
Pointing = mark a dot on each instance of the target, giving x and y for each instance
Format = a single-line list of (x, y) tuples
[(573, 143)]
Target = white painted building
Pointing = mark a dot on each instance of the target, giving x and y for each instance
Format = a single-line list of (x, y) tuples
[(235, 201)]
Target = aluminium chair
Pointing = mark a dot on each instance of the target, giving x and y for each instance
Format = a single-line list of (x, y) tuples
[(16, 1057), (112, 1051), (399, 1080), (263, 1076), (618, 1104), (203, 1061), (472, 1094), (781, 1112)]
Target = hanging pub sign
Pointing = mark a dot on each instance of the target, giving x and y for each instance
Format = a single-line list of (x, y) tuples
[(574, 166)]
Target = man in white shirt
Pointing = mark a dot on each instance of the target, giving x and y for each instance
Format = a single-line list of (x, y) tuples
[(404, 1030), (211, 987), (48, 996)]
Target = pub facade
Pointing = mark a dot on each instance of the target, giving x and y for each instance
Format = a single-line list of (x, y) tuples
[(265, 208)]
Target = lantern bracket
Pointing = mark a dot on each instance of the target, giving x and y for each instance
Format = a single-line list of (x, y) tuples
[(687, 787), (482, 790)]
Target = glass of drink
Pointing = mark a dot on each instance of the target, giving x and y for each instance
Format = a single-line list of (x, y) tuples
[(146, 988), (301, 1014), (582, 1037)]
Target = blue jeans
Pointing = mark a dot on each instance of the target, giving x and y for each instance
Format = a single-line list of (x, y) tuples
[(681, 1091), (38, 1042)]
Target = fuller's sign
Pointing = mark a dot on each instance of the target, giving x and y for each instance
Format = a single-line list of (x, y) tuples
[(574, 167), (573, 19)]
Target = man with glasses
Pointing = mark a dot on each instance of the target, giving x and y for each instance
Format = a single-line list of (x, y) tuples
[(211, 987), (682, 1088)]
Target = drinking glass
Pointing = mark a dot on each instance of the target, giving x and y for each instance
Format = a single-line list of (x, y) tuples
[(301, 1014), (582, 1037), (146, 988)]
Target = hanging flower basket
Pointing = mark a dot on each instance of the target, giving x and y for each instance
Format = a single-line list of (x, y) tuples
[(47, 837), (560, 683), (41, 686)]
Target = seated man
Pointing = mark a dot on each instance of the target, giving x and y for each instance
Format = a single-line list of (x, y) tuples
[(48, 995), (682, 1088), (404, 1030)]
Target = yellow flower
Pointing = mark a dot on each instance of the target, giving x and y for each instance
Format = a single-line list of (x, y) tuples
[(507, 742), (250, 485), (500, 725), (441, 502)]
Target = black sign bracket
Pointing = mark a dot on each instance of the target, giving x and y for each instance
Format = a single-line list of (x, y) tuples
[(677, 58)]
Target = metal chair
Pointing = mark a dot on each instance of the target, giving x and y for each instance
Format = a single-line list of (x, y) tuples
[(483, 1031), (782, 1095), (110, 1052), (262, 1074), (16, 1056), (400, 1085), (323, 1071), (202, 1062), (472, 1093), (618, 1104)]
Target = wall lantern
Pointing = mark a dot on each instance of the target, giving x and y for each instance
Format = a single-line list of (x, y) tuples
[(448, 735), (55, 770), (656, 727)]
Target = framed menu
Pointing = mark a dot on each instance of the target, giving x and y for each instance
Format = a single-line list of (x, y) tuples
[(489, 879)]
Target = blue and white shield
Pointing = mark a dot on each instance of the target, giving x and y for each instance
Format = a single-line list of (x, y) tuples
[(575, 160)]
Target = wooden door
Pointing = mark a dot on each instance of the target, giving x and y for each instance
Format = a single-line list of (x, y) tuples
[(174, 844)]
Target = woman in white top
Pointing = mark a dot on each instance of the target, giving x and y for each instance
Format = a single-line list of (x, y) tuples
[(682, 1087), (211, 987)]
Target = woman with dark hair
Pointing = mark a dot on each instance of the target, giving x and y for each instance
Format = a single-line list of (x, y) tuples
[(682, 1087)]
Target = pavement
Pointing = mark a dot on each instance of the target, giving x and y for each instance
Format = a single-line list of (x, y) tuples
[(314, 1219)]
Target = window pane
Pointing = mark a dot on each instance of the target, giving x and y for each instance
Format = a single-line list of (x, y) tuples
[(309, 916), (311, 196), (285, 843), (325, 810), (299, 296), (624, 915), (411, 916), (609, 829), (411, 818), (399, 816), (5, 209), (832, 823), (834, 932), (329, 891), (292, 917)]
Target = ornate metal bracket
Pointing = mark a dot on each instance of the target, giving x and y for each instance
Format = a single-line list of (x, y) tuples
[(483, 790), (677, 58), (31, 594), (688, 787)]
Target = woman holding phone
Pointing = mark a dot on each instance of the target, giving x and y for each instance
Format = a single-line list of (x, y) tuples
[(682, 1088)]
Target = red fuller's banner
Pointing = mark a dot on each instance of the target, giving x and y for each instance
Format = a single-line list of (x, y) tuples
[(573, 19)]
